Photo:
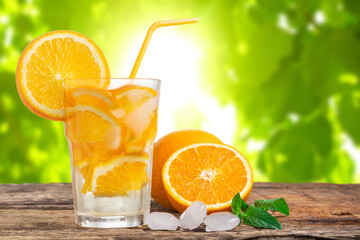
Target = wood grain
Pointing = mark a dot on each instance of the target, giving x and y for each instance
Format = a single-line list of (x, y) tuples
[(317, 211)]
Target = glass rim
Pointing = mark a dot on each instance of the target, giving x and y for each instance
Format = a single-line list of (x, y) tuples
[(115, 78)]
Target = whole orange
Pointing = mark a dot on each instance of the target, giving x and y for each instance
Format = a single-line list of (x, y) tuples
[(164, 148)]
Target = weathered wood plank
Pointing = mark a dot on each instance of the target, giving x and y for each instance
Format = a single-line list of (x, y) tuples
[(317, 211)]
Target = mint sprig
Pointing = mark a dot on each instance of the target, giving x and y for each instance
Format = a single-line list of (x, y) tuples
[(257, 215)]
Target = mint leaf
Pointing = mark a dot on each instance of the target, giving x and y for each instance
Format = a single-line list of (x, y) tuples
[(258, 217), (238, 205), (240, 216), (243, 206), (276, 204)]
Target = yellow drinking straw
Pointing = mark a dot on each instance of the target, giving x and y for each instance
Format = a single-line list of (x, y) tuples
[(152, 28)]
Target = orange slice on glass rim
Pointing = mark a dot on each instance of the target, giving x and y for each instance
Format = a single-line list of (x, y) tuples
[(51, 58), (208, 172)]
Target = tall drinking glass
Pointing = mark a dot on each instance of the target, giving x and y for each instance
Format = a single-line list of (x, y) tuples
[(111, 129)]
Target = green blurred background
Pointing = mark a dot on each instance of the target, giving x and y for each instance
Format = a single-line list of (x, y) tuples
[(288, 69)]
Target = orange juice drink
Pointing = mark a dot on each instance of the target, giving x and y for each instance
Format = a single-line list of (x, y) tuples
[(111, 130), (110, 123)]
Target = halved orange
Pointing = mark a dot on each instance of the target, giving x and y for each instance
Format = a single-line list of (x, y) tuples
[(212, 173), (164, 148), (51, 58)]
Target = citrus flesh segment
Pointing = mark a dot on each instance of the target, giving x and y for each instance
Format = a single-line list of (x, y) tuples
[(120, 175), (212, 173), (139, 105), (80, 153), (93, 132), (51, 58), (144, 142), (90, 124), (137, 110), (96, 97), (164, 148), (131, 96), (140, 118)]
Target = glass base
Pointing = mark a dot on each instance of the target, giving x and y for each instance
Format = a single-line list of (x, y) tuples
[(110, 221)]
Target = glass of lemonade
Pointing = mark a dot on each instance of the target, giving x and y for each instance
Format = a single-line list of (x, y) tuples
[(111, 131)]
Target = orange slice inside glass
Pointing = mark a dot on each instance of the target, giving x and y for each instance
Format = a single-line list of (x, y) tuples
[(96, 97), (90, 124), (120, 175), (138, 113)]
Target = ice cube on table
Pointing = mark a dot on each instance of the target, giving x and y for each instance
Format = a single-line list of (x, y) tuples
[(221, 221), (162, 221), (193, 216)]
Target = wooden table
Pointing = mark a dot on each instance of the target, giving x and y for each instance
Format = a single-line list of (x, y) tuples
[(317, 211)]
